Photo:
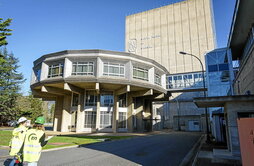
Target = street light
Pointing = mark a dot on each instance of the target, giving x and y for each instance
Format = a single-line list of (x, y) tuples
[(203, 76)]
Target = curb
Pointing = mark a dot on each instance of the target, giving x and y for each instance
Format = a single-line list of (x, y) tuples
[(191, 156)]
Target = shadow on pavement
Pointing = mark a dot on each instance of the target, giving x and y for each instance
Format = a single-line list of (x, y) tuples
[(163, 149)]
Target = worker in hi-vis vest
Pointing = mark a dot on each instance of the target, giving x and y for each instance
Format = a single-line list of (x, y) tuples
[(34, 141), (17, 141)]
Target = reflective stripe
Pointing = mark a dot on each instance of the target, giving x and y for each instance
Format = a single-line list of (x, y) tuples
[(30, 152), (32, 146)]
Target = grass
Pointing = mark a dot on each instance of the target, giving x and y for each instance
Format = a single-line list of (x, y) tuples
[(62, 141)]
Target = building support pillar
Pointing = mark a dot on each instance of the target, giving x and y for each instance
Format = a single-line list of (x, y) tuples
[(80, 118), (115, 114), (58, 114), (98, 105), (130, 115), (66, 116)]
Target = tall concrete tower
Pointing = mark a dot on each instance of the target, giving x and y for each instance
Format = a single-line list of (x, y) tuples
[(160, 34)]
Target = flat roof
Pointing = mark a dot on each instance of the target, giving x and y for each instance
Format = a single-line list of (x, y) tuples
[(242, 22), (220, 101)]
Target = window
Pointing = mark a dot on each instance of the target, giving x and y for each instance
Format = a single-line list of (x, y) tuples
[(91, 98), (82, 68), (90, 119), (38, 75), (113, 69), (122, 100), (157, 79), (55, 70), (107, 100), (184, 81), (122, 120), (140, 73), (106, 119), (75, 100)]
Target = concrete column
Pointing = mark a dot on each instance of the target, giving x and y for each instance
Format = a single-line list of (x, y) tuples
[(99, 67), (44, 71), (129, 71), (66, 116), (151, 75), (80, 114), (67, 67), (163, 81), (130, 115), (58, 114), (115, 114), (98, 113)]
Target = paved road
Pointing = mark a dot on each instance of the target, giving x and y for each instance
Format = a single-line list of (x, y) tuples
[(164, 149)]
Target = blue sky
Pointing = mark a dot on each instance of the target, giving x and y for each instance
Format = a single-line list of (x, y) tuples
[(45, 26)]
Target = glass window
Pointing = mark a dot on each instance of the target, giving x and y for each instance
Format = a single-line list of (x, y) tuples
[(107, 100), (82, 68), (223, 67), (140, 73), (212, 68), (157, 79), (55, 70), (75, 100), (106, 119), (113, 69), (122, 120), (38, 75), (122, 100), (90, 119), (91, 98)]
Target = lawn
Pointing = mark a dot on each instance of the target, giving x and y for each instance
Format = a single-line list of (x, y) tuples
[(61, 141)]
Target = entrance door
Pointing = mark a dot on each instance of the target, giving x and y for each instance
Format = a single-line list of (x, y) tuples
[(194, 125)]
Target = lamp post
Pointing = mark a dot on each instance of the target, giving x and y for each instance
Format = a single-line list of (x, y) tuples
[(203, 76)]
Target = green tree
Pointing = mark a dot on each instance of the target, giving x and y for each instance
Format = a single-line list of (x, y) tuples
[(10, 82), (29, 107), (4, 31)]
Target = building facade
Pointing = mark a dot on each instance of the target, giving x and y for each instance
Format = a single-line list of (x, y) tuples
[(98, 90), (160, 34)]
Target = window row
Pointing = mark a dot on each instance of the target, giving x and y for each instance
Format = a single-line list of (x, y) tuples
[(106, 119), (109, 69), (184, 81), (106, 99)]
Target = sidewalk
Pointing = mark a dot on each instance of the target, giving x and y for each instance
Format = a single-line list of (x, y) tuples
[(205, 156)]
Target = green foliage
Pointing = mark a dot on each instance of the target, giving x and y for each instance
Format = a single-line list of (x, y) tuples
[(10, 81), (29, 107), (4, 31)]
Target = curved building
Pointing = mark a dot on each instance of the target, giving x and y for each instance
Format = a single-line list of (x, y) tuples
[(98, 90)]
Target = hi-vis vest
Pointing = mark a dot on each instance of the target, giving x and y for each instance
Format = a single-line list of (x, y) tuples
[(18, 138), (32, 145)]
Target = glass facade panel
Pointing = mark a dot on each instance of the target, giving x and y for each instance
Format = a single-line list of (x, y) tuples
[(90, 119), (107, 100), (75, 100), (106, 119), (91, 98), (55, 70), (184, 81), (38, 75), (82, 68), (113, 69), (140, 73), (122, 120), (157, 79), (122, 100)]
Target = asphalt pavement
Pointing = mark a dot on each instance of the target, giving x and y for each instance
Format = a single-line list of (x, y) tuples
[(167, 149)]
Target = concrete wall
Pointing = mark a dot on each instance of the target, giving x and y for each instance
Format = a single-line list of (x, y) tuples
[(161, 33), (232, 109), (245, 78)]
